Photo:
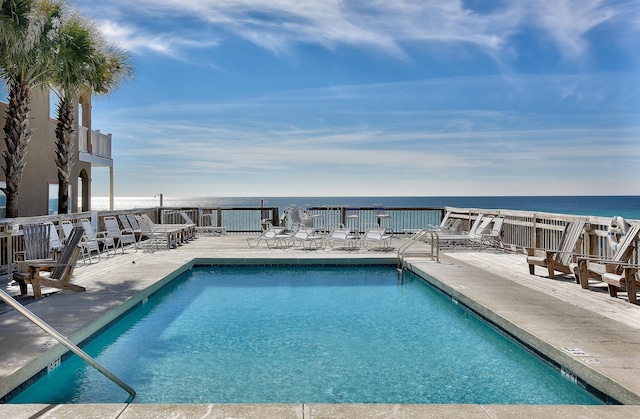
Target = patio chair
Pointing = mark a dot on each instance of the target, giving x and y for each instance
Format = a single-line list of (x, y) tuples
[(61, 269), (55, 244), (101, 237), (493, 238), (611, 269), (561, 258), (379, 235), (121, 237), (157, 234), (272, 237), (37, 246), (307, 235), (180, 232), (126, 225), (341, 234), (204, 229), (474, 237), (87, 245), (447, 225)]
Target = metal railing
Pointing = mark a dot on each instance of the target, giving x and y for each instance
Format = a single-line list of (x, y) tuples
[(434, 240), (67, 343)]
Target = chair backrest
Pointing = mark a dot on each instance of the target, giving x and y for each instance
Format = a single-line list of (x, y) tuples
[(66, 229), (54, 239), (496, 230), (133, 221), (36, 241), (125, 222), (88, 229), (69, 255), (476, 223), (569, 242), (479, 227), (144, 225), (623, 254), (112, 226), (445, 220)]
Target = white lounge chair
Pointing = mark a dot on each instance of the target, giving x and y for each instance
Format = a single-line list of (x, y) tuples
[(341, 234), (447, 225), (121, 237), (379, 235), (55, 243), (88, 246), (272, 237), (471, 238), (494, 236), (158, 235), (126, 225), (181, 232), (307, 235), (205, 226), (101, 237)]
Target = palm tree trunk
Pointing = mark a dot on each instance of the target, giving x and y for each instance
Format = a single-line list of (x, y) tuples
[(16, 135), (64, 136)]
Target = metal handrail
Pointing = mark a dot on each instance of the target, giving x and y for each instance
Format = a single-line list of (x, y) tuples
[(435, 238), (66, 342)]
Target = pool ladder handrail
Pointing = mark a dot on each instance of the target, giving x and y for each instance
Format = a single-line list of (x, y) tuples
[(434, 239), (66, 342)]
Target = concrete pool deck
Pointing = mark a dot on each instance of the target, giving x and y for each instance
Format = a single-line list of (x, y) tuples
[(590, 334)]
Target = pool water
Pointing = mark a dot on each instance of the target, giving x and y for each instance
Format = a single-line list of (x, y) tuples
[(305, 335)]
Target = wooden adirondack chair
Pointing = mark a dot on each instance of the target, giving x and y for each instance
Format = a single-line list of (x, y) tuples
[(596, 268), (561, 258), (61, 269)]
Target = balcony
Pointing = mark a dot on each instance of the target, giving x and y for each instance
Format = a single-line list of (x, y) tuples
[(94, 147)]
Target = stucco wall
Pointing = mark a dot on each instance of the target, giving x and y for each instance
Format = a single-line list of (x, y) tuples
[(40, 170)]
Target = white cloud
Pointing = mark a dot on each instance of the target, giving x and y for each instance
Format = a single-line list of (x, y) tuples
[(390, 27), (133, 39), (568, 21)]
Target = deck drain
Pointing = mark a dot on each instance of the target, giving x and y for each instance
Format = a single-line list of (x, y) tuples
[(575, 351)]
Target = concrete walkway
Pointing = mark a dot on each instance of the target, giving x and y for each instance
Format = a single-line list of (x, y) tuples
[(588, 333)]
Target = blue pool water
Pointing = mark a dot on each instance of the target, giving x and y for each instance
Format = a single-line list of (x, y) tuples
[(312, 335)]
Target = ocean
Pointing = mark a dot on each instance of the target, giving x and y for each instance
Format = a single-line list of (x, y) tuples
[(604, 206)]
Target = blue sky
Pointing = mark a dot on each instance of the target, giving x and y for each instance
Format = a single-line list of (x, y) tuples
[(370, 97)]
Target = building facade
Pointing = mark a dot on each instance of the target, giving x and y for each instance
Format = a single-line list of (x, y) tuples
[(38, 190)]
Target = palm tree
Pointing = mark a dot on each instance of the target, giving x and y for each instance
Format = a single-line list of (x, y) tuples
[(26, 29), (83, 63)]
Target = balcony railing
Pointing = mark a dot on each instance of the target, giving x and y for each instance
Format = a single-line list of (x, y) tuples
[(96, 144)]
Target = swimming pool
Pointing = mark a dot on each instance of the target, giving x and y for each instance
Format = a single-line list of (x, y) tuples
[(282, 334)]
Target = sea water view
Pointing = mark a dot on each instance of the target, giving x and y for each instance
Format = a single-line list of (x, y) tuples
[(603, 206)]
